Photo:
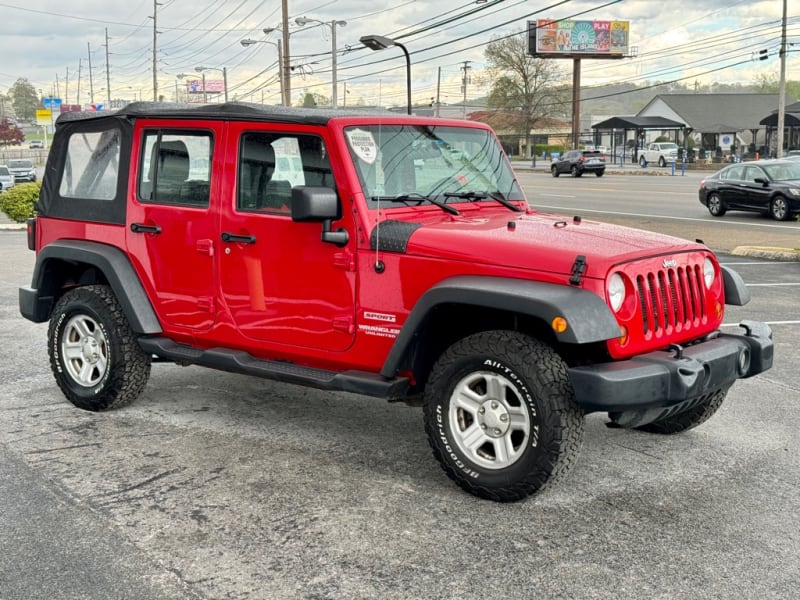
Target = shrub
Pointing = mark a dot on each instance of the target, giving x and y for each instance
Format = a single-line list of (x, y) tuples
[(18, 202)]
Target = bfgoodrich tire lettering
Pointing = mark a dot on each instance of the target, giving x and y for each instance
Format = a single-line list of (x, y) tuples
[(500, 415), (93, 351)]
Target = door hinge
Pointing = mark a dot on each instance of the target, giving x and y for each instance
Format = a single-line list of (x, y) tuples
[(205, 247), (344, 324), (344, 260), (206, 304)]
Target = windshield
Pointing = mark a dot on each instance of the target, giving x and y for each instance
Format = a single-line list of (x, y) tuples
[(20, 164), (783, 172), (4, 171), (419, 163), (669, 146)]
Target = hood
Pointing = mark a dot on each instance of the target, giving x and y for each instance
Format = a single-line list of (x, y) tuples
[(539, 241)]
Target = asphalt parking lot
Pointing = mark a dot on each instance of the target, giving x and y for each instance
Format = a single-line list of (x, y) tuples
[(214, 485)]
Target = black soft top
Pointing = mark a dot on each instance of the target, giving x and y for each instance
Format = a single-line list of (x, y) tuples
[(238, 111)]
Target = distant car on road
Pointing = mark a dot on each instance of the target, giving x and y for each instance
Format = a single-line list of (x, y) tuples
[(660, 153), (770, 186), (36, 144), (6, 178), (22, 169), (578, 162)]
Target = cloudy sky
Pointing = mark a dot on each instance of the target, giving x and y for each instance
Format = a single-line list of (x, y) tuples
[(51, 44)]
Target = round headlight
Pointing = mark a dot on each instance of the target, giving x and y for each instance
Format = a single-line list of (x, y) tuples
[(616, 291), (708, 272)]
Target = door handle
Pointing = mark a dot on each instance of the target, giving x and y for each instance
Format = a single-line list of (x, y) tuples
[(240, 239), (142, 228)]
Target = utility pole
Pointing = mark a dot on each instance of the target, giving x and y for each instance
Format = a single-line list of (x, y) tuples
[(66, 88), (108, 76), (78, 96), (285, 59), (465, 79), (782, 86), (91, 82), (438, 91), (155, 53)]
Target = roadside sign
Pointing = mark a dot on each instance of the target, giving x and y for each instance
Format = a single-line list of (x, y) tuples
[(52, 103), (44, 116)]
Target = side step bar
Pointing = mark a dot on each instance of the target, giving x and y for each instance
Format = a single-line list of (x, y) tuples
[(238, 361)]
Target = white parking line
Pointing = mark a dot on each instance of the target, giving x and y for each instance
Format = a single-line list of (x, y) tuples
[(767, 322), (760, 264), (770, 284), (652, 216)]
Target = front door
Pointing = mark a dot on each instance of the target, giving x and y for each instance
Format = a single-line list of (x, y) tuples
[(279, 281)]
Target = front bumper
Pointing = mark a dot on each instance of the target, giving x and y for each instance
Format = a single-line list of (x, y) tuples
[(672, 377)]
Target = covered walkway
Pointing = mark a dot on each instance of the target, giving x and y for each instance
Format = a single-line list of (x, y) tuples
[(623, 145)]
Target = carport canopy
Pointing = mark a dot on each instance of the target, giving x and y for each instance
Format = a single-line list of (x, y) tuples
[(637, 124)]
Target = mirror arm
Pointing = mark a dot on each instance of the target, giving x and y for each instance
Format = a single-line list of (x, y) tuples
[(340, 237)]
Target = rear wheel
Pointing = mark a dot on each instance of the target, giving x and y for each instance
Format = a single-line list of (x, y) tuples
[(554, 171), (599, 173), (779, 208), (715, 204), (500, 415), (688, 419), (575, 171), (643, 161), (94, 355)]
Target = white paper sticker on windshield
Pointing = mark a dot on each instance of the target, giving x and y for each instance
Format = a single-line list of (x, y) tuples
[(363, 144)]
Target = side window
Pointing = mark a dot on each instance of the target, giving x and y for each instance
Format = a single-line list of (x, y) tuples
[(91, 168), (176, 167), (734, 173), (271, 164)]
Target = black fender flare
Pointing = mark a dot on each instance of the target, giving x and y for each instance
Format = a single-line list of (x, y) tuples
[(736, 292), (588, 317), (115, 266)]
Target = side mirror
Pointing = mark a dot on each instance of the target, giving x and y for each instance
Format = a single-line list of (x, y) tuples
[(763, 181), (319, 204)]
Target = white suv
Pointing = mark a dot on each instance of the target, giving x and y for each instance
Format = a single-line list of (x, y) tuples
[(6, 178)]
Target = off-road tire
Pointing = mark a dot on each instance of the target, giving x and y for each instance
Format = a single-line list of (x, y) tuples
[(504, 373), (716, 206), (779, 209), (689, 419), (554, 171), (93, 351)]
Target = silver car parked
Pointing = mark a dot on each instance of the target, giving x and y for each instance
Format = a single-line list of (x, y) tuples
[(6, 178)]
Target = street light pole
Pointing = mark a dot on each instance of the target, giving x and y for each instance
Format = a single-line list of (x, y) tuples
[(334, 83), (250, 42), (285, 68), (379, 42)]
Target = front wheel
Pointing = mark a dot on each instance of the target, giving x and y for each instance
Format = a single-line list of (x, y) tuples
[(662, 162), (94, 355), (554, 171), (500, 415), (779, 209)]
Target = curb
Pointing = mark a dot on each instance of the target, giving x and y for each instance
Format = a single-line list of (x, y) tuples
[(13, 226), (779, 254)]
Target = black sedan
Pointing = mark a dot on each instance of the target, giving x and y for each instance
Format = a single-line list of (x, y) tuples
[(770, 186), (578, 162)]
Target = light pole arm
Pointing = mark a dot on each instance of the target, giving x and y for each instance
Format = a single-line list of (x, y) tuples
[(408, 74)]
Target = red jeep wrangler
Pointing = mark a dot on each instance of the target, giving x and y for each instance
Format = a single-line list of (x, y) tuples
[(382, 254)]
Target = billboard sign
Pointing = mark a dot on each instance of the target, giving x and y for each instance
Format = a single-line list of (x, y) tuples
[(195, 86), (44, 116), (576, 39)]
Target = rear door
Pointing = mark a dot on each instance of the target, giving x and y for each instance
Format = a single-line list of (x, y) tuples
[(279, 281), (171, 228)]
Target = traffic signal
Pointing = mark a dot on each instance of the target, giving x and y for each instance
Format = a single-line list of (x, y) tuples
[(763, 54)]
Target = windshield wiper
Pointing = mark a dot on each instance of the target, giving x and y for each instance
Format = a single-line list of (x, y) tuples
[(484, 196), (419, 199)]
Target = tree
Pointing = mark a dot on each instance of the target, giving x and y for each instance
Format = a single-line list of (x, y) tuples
[(24, 99), (527, 89), (768, 83), (10, 134)]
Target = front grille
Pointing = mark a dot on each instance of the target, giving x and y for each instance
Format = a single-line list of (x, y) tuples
[(671, 299)]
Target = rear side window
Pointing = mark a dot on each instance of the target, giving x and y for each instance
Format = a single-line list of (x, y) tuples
[(91, 168), (175, 167)]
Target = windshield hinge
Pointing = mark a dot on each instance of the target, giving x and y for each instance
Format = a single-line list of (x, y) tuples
[(578, 269)]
